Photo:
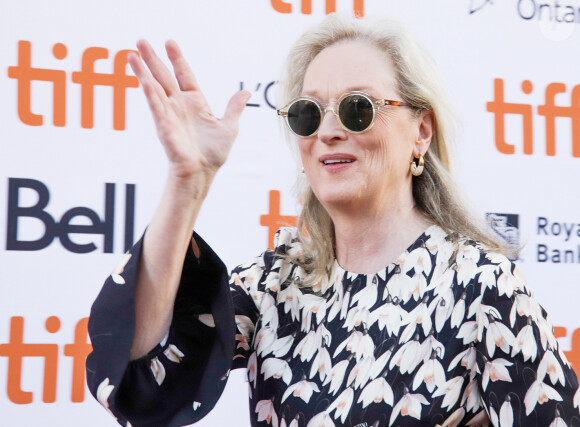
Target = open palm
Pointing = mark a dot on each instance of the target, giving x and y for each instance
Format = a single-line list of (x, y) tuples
[(194, 139)]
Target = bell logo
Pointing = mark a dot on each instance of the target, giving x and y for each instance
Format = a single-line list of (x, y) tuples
[(25, 74), (282, 6), (499, 108), (65, 227)]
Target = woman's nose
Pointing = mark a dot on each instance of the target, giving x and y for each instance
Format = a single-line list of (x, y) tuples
[(330, 130)]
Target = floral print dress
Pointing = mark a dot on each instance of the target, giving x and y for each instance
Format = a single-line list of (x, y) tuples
[(448, 335)]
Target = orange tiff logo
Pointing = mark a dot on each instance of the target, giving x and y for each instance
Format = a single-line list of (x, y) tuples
[(549, 110), (87, 78), (306, 6), (16, 350)]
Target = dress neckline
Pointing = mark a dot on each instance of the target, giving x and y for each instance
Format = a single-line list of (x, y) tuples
[(432, 230)]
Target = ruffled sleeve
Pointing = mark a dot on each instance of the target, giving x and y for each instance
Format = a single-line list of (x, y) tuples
[(523, 377), (181, 379)]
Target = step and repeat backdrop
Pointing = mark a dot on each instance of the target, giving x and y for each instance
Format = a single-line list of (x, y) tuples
[(81, 169)]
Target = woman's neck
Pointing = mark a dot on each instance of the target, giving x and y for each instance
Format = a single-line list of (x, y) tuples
[(367, 240)]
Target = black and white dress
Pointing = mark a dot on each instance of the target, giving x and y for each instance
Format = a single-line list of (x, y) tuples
[(448, 334)]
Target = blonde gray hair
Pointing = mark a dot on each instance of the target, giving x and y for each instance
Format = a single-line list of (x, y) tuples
[(434, 192)]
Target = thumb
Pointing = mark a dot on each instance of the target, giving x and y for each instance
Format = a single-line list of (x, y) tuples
[(236, 106)]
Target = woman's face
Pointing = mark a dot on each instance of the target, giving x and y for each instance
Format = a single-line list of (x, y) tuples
[(377, 171)]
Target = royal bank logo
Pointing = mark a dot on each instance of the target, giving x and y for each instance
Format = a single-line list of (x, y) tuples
[(506, 226)]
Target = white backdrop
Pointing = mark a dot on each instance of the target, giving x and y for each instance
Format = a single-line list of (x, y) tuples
[(57, 162)]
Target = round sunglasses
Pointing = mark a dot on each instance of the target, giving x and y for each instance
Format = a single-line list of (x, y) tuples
[(355, 112)]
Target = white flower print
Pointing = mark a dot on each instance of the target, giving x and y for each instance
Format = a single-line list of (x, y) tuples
[(196, 405), (321, 419), (322, 364), (454, 419), (506, 284), (487, 276), (506, 413), (264, 339), (360, 373), (237, 281), (430, 345), (376, 391), (419, 286), (420, 315), (471, 398), (266, 412), (302, 389), (323, 335), (252, 369), (558, 421), (539, 392), (307, 346), (408, 357), (526, 343), (444, 309), (355, 317), (335, 304), (420, 260), (480, 419), (276, 368), (388, 315), (379, 365), (400, 286), (158, 370), (244, 325), (576, 400), (358, 343), (342, 404), (467, 358), (173, 353), (547, 338), (526, 307), (495, 370), (345, 303), (282, 346), (431, 373), (367, 297), (336, 376), (252, 275), (272, 282), (120, 268), (104, 391), (410, 404), (291, 298), (311, 305), (269, 312), (498, 335), (467, 259), (468, 332), (451, 389), (206, 319), (458, 312)]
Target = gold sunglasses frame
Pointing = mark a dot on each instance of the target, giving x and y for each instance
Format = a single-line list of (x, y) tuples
[(377, 104)]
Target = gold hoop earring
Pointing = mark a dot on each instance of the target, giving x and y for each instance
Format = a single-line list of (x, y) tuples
[(302, 169), (417, 166)]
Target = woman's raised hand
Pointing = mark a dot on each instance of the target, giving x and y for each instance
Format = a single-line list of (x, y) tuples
[(195, 141)]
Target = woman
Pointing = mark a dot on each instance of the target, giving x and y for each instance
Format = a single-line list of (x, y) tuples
[(393, 308)]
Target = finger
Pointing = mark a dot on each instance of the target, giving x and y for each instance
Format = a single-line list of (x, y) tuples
[(150, 86), (157, 68), (235, 107), (154, 93), (185, 77)]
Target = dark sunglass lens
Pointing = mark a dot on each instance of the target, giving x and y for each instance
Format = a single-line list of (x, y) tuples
[(356, 112), (304, 117)]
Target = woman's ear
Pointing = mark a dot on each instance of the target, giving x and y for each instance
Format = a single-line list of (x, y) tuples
[(426, 130)]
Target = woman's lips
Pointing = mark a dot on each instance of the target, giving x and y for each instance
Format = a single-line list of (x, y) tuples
[(337, 161)]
